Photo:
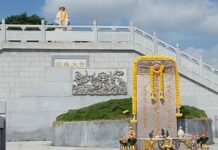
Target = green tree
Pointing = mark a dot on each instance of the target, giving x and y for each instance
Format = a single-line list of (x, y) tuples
[(23, 18)]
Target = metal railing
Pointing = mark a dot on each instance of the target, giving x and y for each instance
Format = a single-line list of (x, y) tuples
[(110, 34)]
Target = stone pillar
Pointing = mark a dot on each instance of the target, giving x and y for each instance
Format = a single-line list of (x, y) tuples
[(213, 76), (132, 32), (3, 30), (43, 31), (155, 43), (95, 30), (201, 67), (178, 55)]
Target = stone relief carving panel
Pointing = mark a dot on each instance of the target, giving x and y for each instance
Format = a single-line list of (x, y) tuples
[(99, 82)]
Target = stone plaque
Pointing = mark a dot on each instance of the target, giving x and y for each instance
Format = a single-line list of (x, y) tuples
[(70, 61), (75, 63), (99, 82)]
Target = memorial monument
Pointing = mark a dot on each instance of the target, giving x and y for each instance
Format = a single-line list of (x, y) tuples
[(155, 97), (156, 93)]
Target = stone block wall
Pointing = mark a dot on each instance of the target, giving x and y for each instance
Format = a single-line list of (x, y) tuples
[(90, 134), (36, 91)]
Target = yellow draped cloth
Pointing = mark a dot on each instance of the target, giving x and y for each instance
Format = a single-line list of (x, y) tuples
[(62, 15)]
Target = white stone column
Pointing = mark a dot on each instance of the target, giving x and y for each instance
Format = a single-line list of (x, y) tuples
[(43, 31), (201, 65), (95, 30), (132, 32), (155, 43), (3, 30), (213, 76), (178, 55)]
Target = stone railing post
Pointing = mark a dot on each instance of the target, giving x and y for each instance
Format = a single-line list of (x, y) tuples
[(3, 30), (213, 76), (155, 43), (201, 65), (178, 55), (95, 30), (43, 31), (132, 32)]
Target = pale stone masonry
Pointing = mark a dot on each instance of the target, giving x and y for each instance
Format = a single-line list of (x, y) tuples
[(36, 91)]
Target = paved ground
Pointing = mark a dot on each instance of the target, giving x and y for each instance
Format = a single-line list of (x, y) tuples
[(47, 146), (42, 145)]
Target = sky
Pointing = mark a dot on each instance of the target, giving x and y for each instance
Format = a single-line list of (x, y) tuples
[(191, 23)]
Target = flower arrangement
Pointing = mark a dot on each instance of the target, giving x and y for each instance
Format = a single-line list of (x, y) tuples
[(156, 69), (178, 105), (134, 92)]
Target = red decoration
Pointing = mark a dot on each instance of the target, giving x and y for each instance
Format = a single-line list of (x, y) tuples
[(156, 67), (203, 132)]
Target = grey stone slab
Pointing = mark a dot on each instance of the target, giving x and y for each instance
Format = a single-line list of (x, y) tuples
[(2, 107), (56, 74), (46, 89), (69, 134), (30, 134), (90, 134), (46, 145), (22, 104), (30, 119), (106, 133)]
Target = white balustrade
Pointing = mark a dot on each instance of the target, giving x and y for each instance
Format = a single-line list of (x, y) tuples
[(109, 34)]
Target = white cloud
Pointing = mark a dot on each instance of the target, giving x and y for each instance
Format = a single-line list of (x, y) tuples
[(177, 20), (89, 10), (184, 15), (195, 16)]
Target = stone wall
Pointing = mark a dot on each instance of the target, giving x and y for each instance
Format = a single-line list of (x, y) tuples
[(193, 94), (36, 91), (107, 133), (90, 134)]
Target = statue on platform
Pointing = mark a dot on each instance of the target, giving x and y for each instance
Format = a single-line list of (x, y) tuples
[(194, 142), (181, 133), (132, 139), (62, 17), (123, 143), (203, 140)]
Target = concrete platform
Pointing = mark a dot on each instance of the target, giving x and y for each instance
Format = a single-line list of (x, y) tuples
[(46, 145)]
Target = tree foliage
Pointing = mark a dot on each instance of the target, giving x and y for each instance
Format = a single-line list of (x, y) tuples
[(23, 18)]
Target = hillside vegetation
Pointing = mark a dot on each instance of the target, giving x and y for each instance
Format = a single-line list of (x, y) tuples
[(117, 109), (111, 110)]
